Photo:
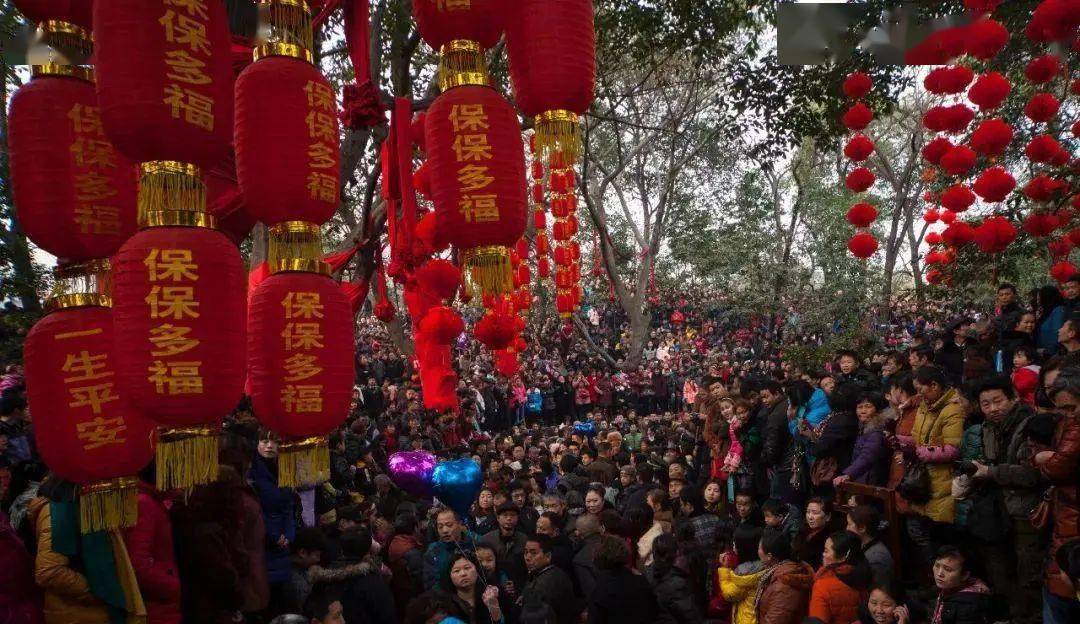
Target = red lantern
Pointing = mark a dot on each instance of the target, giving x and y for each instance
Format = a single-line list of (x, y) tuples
[(859, 148), (948, 80), (991, 137), (165, 80), (1043, 188), (539, 219), (934, 276), (989, 91), (74, 193), (85, 430), (859, 180), (933, 238), (300, 365), (179, 304), (478, 179), (495, 331), (994, 235), (994, 184), (958, 160), (948, 216), (857, 117), (958, 234), (439, 278), (1040, 225), (1062, 271), (862, 215), (1042, 149), (543, 267), (863, 245), (287, 141), (857, 85), (225, 203), (1042, 107), (933, 151), (985, 39), (931, 216), (957, 198), (1042, 69), (441, 22), (541, 243), (551, 47), (1060, 248), (76, 12)]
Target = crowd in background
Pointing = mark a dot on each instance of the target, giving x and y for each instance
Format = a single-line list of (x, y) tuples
[(930, 475)]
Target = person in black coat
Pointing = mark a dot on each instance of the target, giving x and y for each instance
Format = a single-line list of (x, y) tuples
[(777, 447), (836, 434), (674, 598), (620, 596), (548, 584), (365, 594)]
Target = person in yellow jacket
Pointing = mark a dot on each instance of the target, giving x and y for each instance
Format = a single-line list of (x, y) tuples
[(739, 587), (936, 438)]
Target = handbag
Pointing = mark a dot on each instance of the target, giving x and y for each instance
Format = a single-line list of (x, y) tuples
[(1040, 516), (915, 484)]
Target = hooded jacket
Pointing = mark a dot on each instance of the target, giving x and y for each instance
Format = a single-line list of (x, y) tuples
[(938, 431), (832, 600), (739, 587), (785, 595)]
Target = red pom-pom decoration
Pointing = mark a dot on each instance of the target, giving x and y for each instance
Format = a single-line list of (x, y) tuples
[(860, 179), (933, 238), (438, 277), (958, 234), (1042, 107), (958, 161), (1043, 188), (441, 325), (991, 137), (384, 311), (948, 217), (934, 276), (859, 148), (1042, 69), (935, 149), (862, 245), (994, 184), (1062, 271), (948, 80), (862, 215), (857, 85), (1053, 20), (957, 198), (1042, 149), (989, 91), (953, 119), (985, 39), (857, 117), (931, 216), (1040, 225), (495, 331), (995, 234), (1060, 248)]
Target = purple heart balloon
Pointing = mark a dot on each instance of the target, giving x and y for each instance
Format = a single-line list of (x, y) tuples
[(412, 470)]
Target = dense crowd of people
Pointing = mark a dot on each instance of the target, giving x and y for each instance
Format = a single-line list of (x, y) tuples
[(932, 477)]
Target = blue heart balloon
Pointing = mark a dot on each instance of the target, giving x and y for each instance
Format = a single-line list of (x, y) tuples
[(587, 429), (457, 483)]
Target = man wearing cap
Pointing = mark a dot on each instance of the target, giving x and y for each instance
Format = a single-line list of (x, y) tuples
[(508, 542)]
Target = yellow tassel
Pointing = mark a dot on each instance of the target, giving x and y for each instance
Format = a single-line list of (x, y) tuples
[(461, 62), (186, 458), (490, 270), (558, 131), (296, 246), (108, 505), (167, 186), (303, 463)]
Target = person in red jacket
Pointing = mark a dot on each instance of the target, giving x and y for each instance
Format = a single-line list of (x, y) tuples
[(150, 547), (840, 583)]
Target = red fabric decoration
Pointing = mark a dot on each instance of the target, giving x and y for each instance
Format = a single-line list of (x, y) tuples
[(953, 119), (178, 294), (440, 278), (994, 184), (1062, 271), (551, 47), (857, 85), (991, 137), (931, 216), (84, 428), (467, 219), (495, 331), (437, 377), (1054, 20), (257, 276), (1043, 188), (985, 38), (506, 364), (1060, 248), (154, 111), (356, 293), (1040, 225), (543, 267), (422, 181), (1042, 149), (384, 311), (73, 192), (441, 22), (442, 325), (989, 91), (427, 234), (301, 381), (341, 259), (948, 80), (957, 198), (958, 160), (862, 245), (861, 215), (948, 217), (958, 234), (933, 238), (226, 203), (1042, 69), (362, 105), (1042, 107), (860, 179), (859, 148), (995, 234), (933, 151), (857, 117), (288, 154)]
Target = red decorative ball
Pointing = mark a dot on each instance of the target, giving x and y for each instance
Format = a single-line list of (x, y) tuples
[(1042, 69), (439, 277), (985, 39), (958, 161), (939, 48), (496, 331), (1060, 248), (958, 234), (1042, 107), (1053, 20), (991, 137), (953, 119), (857, 85), (948, 80), (989, 91), (995, 234), (860, 179), (933, 238), (859, 148), (957, 198), (862, 245), (1042, 149), (1062, 271), (994, 184), (384, 311), (933, 151), (857, 117), (1040, 225), (948, 217), (931, 216), (441, 325), (861, 215), (1043, 188), (934, 276)]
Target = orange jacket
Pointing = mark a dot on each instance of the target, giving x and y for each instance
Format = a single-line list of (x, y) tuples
[(832, 600)]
